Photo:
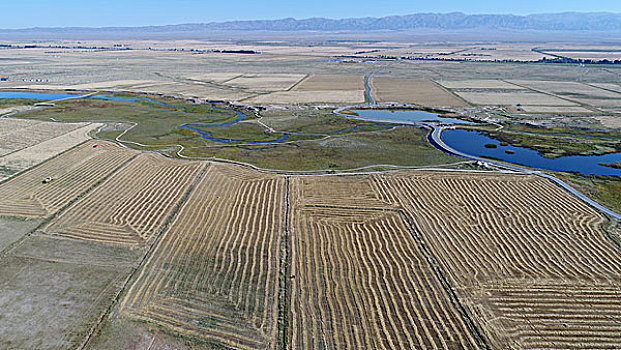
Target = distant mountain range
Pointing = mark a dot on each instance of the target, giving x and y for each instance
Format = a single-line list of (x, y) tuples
[(568, 21)]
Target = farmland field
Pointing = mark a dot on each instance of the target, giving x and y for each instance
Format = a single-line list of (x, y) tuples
[(304, 97), (419, 91), (131, 205), (359, 280), (317, 82), (226, 203), (16, 134), (72, 173), (53, 290), (513, 98), (28, 157), (214, 273), (265, 82), (479, 84), (507, 238)]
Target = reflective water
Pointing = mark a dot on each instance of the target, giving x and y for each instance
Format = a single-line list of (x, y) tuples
[(473, 143)]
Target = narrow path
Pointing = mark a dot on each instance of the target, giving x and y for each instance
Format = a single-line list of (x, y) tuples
[(435, 139)]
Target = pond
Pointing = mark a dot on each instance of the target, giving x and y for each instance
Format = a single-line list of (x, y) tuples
[(473, 143), (35, 95), (404, 116)]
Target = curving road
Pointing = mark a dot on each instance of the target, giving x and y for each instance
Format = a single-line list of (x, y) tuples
[(435, 139)]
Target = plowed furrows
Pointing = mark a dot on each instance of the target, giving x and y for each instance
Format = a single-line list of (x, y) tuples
[(220, 255), (72, 173), (528, 241), (360, 282), (561, 317), (135, 200)]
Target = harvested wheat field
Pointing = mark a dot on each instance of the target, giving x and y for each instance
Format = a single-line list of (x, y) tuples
[(16, 134), (527, 259), (265, 82), (513, 98), (72, 173), (319, 82), (608, 86), (413, 90), (479, 84), (30, 156), (344, 191), (131, 205), (184, 90), (214, 272), (219, 77), (302, 97), (551, 109), (360, 281)]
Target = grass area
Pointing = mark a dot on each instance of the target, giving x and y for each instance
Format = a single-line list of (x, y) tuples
[(156, 125), (10, 102), (603, 189), (329, 141), (402, 146)]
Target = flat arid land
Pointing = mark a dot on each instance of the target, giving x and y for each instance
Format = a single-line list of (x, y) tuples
[(309, 194)]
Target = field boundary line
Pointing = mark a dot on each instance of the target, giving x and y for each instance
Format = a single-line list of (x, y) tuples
[(47, 220), (43, 162), (299, 82), (284, 297), (433, 263), (132, 275), (444, 281)]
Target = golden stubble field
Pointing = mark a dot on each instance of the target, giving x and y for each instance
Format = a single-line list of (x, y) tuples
[(413, 90), (252, 260)]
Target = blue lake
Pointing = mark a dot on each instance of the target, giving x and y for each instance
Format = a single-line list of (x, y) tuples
[(35, 95), (473, 143), (404, 116)]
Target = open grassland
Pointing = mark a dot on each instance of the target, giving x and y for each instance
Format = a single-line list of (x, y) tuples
[(323, 82), (28, 157), (307, 96), (72, 173), (155, 125), (418, 91), (528, 259), (131, 205), (360, 281), (54, 290), (16, 134), (214, 272), (401, 146)]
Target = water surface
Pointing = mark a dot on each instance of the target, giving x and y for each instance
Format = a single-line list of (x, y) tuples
[(35, 95), (473, 143), (404, 116)]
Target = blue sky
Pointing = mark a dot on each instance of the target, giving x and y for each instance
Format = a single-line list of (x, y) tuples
[(99, 13)]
